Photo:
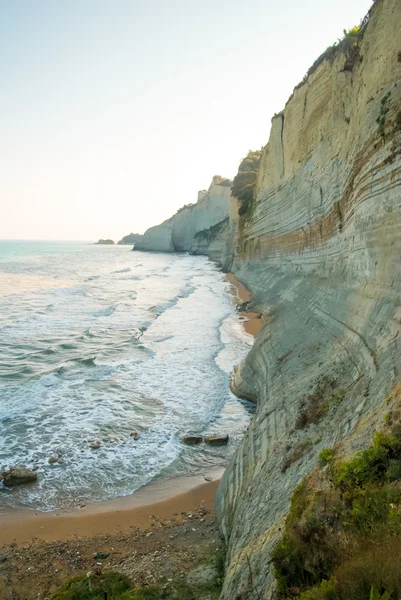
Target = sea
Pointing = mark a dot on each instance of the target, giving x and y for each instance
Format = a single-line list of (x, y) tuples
[(127, 350)]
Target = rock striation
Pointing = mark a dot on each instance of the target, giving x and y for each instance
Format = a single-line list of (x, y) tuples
[(319, 248), (195, 227)]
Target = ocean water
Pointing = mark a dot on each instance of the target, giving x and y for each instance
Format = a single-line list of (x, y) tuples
[(97, 342)]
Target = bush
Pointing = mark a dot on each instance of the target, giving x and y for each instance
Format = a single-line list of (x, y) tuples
[(315, 405), (244, 182), (343, 529), (374, 573), (373, 465), (326, 456), (353, 32), (94, 588)]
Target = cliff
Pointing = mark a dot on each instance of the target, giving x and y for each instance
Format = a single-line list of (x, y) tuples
[(183, 231), (105, 242), (131, 238), (319, 247)]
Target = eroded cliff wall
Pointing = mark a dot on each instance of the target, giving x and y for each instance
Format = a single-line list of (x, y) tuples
[(177, 234), (320, 249)]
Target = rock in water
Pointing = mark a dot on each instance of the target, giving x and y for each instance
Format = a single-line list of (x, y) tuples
[(18, 476), (192, 440), (105, 242), (217, 440)]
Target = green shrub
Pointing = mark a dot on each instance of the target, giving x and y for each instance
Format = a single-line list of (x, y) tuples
[(353, 32), (244, 182), (94, 588), (369, 466), (336, 517), (325, 456), (374, 572), (305, 555), (384, 110)]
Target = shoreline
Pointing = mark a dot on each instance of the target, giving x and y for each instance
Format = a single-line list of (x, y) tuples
[(162, 499), (252, 321)]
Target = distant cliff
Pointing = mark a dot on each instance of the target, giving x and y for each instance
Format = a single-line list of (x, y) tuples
[(194, 227), (131, 238), (105, 242), (319, 246)]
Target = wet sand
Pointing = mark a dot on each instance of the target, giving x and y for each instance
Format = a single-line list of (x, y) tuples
[(252, 321), (160, 499)]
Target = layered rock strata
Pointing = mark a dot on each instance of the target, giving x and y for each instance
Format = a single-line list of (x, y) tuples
[(182, 232), (320, 250)]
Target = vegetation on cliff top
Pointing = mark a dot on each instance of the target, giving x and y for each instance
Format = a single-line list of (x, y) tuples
[(342, 537), (349, 45), (244, 182)]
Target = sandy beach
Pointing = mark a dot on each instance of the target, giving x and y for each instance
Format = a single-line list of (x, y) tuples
[(172, 518), (156, 536), (162, 499), (252, 321)]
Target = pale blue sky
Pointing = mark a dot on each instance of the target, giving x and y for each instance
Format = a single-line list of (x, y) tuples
[(114, 113)]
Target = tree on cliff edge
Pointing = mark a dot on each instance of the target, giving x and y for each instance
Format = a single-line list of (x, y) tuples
[(245, 180)]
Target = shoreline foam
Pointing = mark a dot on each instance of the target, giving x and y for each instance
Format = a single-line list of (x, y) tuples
[(162, 499)]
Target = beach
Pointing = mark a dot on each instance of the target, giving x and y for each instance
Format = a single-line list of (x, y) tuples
[(158, 542), (166, 522), (162, 498), (252, 321)]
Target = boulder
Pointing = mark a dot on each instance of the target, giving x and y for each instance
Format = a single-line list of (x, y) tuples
[(18, 476), (217, 440), (192, 440)]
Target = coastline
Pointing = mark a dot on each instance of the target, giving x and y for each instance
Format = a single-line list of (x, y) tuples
[(252, 321), (167, 516), (162, 499)]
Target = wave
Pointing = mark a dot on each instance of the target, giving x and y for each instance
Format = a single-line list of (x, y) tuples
[(89, 377), (105, 312), (88, 362), (127, 270), (68, 346), (164, 339)]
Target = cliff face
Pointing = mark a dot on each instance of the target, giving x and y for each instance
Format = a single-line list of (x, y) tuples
[(131, 238), (320, 249), (178, 233)]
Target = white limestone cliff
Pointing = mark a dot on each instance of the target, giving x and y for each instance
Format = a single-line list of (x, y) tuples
[(177, 233), (320, 250)]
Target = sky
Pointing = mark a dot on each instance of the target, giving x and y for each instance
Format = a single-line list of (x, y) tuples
[(114, 113)]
